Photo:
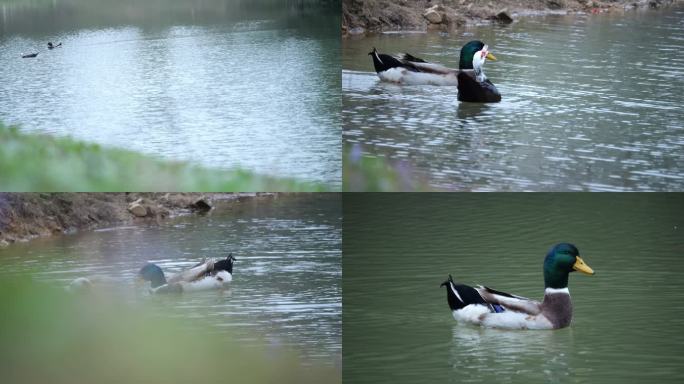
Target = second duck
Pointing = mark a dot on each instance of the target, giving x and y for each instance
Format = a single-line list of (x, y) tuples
[(206, 275), (473, 85)]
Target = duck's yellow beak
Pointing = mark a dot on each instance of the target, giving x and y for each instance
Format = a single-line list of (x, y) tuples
[(581, 266), (490, 56)]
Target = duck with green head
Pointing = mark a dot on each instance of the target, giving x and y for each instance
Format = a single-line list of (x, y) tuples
[(495, 309), (473, 86), (206, 275)]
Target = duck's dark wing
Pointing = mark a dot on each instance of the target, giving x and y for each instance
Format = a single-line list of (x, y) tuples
[(471, 90), (409, 57), (461, 295), (383, 62), (424, 66), (196, 272), (509, 301)]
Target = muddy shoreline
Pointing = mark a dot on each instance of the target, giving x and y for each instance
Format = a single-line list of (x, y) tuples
[(24, 216), (371, 16)]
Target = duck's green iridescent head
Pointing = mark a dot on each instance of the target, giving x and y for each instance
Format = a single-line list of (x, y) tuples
[(562, 259), (152, 273), (468, 52)]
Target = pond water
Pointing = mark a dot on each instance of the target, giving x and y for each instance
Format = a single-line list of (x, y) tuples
[(398, 248), (218, 83), (286, 288), (590, 103)]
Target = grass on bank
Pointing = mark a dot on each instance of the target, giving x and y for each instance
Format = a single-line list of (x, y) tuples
[(42, 163)]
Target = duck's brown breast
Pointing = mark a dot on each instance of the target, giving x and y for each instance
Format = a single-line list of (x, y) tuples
[(557, 307)]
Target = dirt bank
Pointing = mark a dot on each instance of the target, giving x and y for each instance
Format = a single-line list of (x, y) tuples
[(361, 16), (24, 216)]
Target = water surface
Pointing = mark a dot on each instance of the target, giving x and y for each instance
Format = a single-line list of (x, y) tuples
[(398, 248), (590, 103), (218, 83), (286, 288)]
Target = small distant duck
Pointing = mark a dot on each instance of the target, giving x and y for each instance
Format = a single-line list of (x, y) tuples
[(206, 275), (92, 283), (473, 85), (490, 308), (52, 46), (29, 55)]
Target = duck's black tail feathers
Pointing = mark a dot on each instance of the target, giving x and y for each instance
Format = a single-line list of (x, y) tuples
[(410, 57), (460, 295), (383, 62), (225, 264)]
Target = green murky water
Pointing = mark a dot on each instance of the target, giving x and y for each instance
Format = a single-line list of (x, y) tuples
[(590, 103), (398, 248)]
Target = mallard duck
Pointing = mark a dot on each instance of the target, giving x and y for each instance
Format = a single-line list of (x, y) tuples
[(206, 275), (490, 308), (472, 83), (52, 46)]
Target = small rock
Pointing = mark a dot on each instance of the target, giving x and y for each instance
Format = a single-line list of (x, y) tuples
[(434, 14), (374, 22), (433, 17), (137, 209), (555, 4), (202, 204), (503, 17), (357, 31)]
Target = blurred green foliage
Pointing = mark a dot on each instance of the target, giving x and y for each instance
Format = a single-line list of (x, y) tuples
[(42, 163), (366, 173), (50, 336)]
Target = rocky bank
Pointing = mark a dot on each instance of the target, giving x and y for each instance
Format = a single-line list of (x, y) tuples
[(24, 216), (362, 16)]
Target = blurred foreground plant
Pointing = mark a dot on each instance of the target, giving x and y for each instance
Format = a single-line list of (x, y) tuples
[(42, 163), (49, 336), (366, 173)]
